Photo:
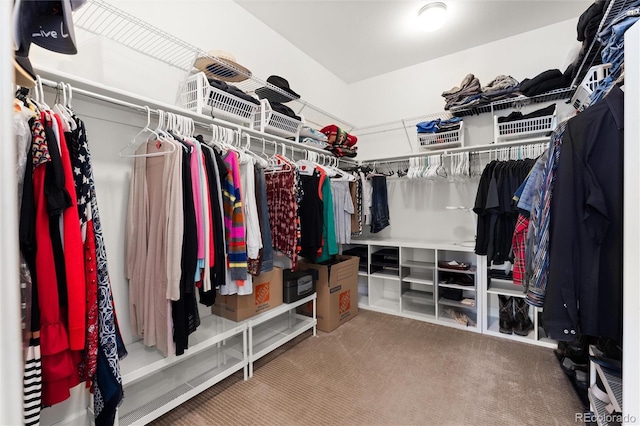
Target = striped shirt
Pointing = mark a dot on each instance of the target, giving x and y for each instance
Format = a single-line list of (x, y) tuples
[(234, 221)]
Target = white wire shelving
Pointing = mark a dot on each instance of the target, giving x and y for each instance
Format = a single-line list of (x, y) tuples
[(140, 104), (103, 19), (614, 9)]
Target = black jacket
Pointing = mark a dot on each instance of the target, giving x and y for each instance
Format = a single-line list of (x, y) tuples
[(584, 291)]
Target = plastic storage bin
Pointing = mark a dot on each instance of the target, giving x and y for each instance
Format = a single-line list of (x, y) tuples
[(524, 129), (596, 73), (269, 121), (452, 139), (298, 285), (199, 96)]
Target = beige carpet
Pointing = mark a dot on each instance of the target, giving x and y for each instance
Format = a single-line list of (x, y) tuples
[(384, 370)]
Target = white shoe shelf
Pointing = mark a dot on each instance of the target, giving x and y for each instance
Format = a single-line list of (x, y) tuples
[(503, 287), (416, 286), (154, 385), (612, 386)]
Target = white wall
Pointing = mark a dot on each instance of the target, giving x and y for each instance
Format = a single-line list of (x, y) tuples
[(417, 207), (416, 90), (209, 25)]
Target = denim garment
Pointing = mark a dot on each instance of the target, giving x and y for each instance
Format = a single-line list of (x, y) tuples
[(631, 10), (379, 204), (266, 264), (527, 195), (613, 51)]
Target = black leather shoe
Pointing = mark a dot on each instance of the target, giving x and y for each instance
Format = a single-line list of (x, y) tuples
[(522, 324), (506, 314)]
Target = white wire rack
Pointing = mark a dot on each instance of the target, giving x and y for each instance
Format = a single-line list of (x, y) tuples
[(103, 19), (614, 9), (401, 125)]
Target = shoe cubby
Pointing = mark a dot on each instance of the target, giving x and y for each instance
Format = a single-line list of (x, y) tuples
[(497, 287), (418, 298), (363, 290), (457, 288), (384, 294), (361, 251), (385, 262), (417, 272), (459, 316)]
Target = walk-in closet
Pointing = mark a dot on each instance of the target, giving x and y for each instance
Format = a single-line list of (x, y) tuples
[(309, 212)]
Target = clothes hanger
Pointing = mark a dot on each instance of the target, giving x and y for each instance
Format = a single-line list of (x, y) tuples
[(306, 167), (255, 157), (59, 108), (278, 163), (135, 141), (38, 96)]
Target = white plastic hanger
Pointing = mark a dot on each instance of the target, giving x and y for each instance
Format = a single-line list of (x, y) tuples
[(306, 166), (38, 95), (59, 108), (149, 135), (257, 159)]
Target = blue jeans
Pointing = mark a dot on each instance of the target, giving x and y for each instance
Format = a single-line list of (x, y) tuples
[(265, 228), (379, 204)]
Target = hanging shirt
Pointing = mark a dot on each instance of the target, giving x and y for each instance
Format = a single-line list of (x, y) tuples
[(155, 232), (254, 236), (584, 290), (330, 247), (234, 221), (343, 208), (283, 211)]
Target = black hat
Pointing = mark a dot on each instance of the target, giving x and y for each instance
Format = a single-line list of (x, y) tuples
[(48, 24), (276, 96)]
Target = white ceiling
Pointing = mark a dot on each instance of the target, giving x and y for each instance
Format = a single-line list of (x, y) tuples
[(360, 39)]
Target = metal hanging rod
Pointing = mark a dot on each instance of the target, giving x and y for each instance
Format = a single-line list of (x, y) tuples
[(471, 149), (116, 97)]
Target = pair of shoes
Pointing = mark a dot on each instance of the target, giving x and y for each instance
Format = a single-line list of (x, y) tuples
[(459, 317), (514, 316)]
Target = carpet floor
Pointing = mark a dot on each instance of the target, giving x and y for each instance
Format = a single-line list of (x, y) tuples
[(381, 369)]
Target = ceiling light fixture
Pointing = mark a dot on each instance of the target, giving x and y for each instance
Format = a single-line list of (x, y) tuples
[(433, 16)]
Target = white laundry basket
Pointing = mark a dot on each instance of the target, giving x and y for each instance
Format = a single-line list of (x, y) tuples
[(452, 139), (198, 95), (269, 121), (524, 129), (581, 97)]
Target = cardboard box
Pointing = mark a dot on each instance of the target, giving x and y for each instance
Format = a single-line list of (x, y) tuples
[(267, 294), (337, 289)]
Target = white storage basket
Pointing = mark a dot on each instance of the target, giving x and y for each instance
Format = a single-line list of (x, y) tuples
[(269, 121), (581, 97), (199, 96), (452, 139), (524, 129)]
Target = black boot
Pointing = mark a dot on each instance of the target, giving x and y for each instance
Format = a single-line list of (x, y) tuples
[(522, 324), (506, 314)]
